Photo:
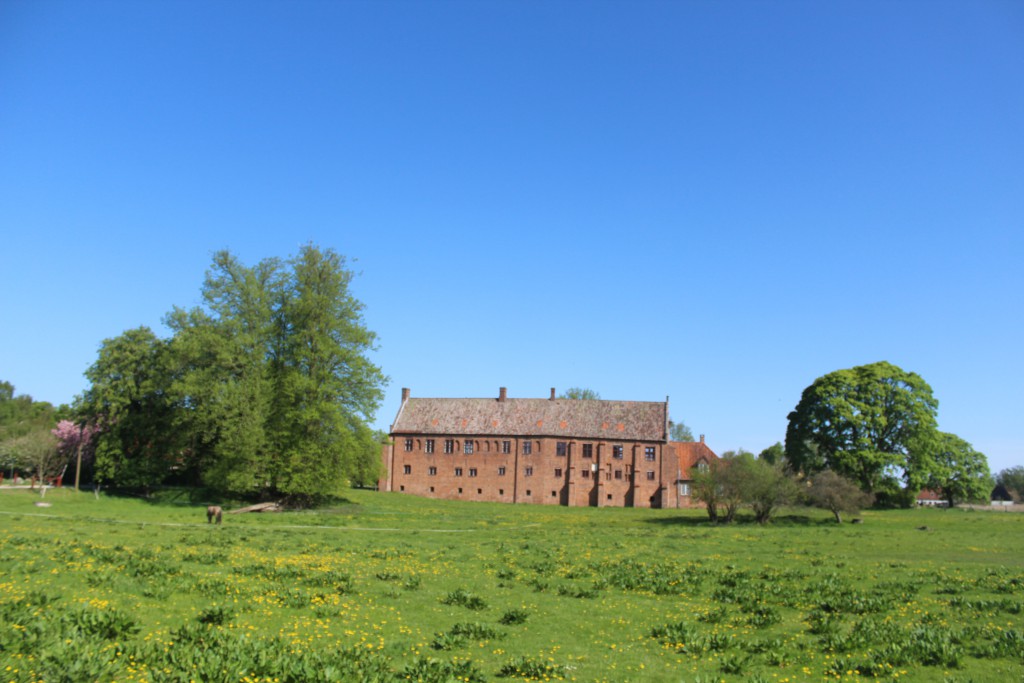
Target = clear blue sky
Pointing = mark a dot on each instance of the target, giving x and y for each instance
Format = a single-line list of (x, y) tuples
[(714, 201)]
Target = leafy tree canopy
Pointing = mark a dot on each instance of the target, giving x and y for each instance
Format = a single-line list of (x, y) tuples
[(872, 423), (739, 479), (20, 415), (128, 402), (678, 431), (959, 472), (738, 453), (1013, 479), (24, 430), (265, 389), (774, 454), (580, 394), (836, 494)]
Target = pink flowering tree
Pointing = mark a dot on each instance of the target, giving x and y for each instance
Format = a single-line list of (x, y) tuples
[(71, 437)]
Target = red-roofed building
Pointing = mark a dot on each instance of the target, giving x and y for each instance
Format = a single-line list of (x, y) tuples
[(547, 451), (929, 498)]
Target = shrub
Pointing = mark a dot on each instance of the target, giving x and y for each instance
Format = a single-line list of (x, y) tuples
[(531, 669), (464, 599), (429, 670), (216, 615), (513, 616)]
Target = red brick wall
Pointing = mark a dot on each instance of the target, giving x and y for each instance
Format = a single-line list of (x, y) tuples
[(580, 477)]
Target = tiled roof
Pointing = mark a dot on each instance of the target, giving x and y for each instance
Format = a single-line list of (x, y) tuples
[(583, 419), (690, 453)]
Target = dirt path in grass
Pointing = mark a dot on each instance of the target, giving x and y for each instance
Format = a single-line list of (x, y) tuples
[(105, 520)]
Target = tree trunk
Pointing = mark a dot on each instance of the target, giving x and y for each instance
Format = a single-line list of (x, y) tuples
[(712, 512)]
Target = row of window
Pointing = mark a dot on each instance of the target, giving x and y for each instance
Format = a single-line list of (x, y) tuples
[(501, 492), (467, 446), (561, 448), (527, 472)]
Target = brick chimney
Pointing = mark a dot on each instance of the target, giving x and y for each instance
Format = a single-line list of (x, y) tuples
[(502, 394), (552, 393), (702, 438), (405, 394)]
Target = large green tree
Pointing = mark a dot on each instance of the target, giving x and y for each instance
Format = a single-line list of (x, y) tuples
[(959, 472), (128, 401), (326, 385), (873, 423), (225, 354), (273, 378)]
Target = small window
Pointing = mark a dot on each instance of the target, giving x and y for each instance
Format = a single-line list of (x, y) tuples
[(650, 475), (501, 471), (609, 496), (432, 471), (506, 446), (468, 447), (558, 473), (702, 467), (460, 490), (527, 447), (528, 472), (472, 471), (458, 471), (684, 489), (529, 492), (401, 488), (408, 445), (449, 445), (560, 448), (554, 494), (650, 453), (431, 489), (479, 492), (501, 492), (429, 448), (407, 469), (586, 474), (617, 452), (588, 450), (618, 474)]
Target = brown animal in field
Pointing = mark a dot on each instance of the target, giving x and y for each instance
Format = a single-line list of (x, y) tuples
[(212, 512)]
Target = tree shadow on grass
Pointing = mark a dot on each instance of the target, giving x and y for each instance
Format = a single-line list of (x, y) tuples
[(743, 520), (188, 496)]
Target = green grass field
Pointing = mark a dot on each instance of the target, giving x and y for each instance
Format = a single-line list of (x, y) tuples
[(386, 587)]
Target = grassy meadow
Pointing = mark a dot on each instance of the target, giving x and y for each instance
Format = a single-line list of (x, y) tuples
[(387, 587)]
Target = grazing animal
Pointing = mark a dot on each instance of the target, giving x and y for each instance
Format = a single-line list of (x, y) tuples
[(212, 512)]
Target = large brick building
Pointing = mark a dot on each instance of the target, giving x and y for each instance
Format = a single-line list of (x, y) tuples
[(549, 451)]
